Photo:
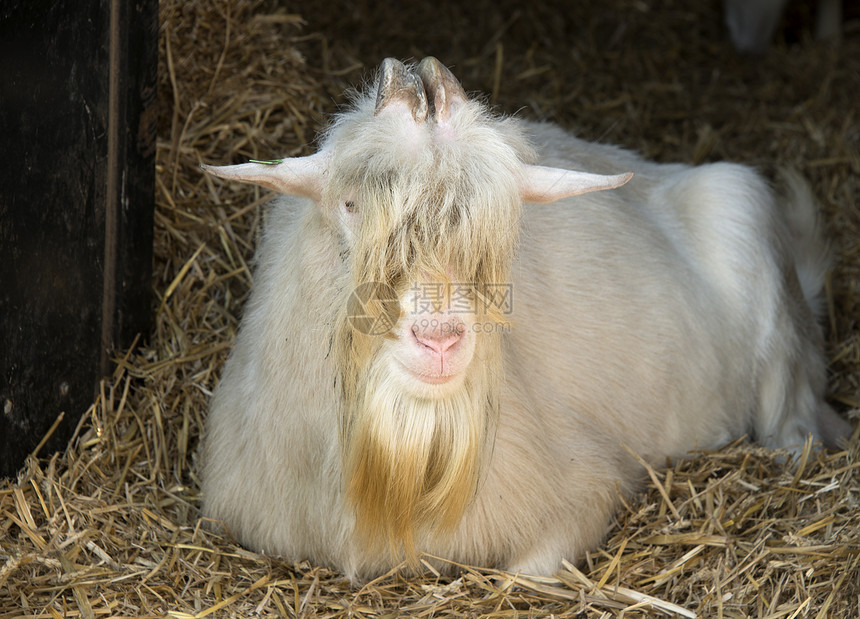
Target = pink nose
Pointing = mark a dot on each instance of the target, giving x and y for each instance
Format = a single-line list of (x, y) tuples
[(440, 337)]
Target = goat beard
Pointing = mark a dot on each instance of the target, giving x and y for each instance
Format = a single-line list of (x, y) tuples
[(413, 464)]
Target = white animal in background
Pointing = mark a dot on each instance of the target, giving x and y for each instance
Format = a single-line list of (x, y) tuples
[(752, 23), (437, 360)]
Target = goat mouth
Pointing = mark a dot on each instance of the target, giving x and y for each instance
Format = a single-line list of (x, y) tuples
[(433, 379), (429, 378)]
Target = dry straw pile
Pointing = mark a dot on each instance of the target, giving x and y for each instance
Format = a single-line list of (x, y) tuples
[(111, 527)]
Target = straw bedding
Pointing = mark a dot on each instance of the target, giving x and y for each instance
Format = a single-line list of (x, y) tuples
[(111, 527)]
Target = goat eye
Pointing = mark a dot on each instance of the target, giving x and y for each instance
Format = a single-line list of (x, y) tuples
[(350, 207)]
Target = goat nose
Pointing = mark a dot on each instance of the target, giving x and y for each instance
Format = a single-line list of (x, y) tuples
[(439, 337)]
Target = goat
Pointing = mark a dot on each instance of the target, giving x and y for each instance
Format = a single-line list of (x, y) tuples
[(434, 360)]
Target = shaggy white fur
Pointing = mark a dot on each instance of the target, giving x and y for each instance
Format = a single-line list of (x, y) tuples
[(661, 316)]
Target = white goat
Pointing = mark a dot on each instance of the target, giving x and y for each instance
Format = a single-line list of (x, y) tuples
[(524, 348)]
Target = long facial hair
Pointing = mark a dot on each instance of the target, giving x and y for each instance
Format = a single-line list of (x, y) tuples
[(413, 463)]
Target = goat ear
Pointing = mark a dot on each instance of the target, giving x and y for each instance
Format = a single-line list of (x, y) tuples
[(298, 176), (544, 184)]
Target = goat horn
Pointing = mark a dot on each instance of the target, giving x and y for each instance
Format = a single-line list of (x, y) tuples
[(396, 83), (443, 89)]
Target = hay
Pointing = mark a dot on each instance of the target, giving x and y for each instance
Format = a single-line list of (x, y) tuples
[(111, 527)]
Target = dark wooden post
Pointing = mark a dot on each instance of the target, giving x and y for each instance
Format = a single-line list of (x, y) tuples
[(77, 118)]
